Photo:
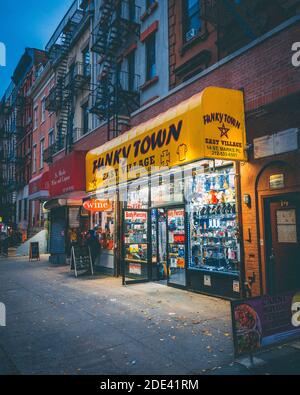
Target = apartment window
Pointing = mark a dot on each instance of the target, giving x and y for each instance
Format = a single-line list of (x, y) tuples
[(86, 58), (50, 137), (20, 211), (35, 117), (127, 10), (151, 57), (85, 118), (42, 148), (32, 212), (131, 71), (43, 102), (192, 21), (34, 159), (25, 209)]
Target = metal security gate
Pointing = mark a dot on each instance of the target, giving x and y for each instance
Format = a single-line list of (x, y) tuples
[(58, 226)]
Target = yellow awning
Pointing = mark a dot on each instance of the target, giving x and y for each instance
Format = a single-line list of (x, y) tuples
[(210, 124)]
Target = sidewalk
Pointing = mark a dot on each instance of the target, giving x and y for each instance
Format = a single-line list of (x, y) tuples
[(57, 324)]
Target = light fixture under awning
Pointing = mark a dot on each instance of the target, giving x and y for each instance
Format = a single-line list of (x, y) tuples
[(210, 124)]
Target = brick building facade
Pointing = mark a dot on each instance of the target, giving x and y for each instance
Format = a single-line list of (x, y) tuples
[(264, 71)]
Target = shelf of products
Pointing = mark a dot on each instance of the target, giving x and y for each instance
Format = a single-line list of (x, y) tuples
[(135, 242), (176, 239), (213, 223)]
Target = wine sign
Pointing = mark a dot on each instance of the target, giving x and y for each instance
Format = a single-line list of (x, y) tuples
[(81, 261), (96, 205)]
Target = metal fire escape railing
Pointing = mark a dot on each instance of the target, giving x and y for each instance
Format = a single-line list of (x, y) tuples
[(239, 22), (22, 105), (61, 96), (117, 91)]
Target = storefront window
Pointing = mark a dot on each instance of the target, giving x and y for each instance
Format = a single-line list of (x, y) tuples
[(213, 220), (136, 244), (104, 224), (137, 196), (166, 189)]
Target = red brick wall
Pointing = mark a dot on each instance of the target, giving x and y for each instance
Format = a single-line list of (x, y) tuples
[(255, 181), (265, 72)]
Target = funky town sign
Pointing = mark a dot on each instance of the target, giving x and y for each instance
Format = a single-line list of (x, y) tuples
[(208, 125)]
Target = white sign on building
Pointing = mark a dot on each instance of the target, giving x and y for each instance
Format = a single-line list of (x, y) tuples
[(275, 144), (2, 314), (2, 55)]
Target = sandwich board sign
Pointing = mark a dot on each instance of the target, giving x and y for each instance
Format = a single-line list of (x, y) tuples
[(34, 251), (81, 261)]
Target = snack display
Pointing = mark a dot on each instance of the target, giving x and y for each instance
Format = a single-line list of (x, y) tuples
[(213, 222)]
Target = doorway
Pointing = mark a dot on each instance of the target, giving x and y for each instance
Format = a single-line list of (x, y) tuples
[(169, 245), (282, 229), (154, 245)]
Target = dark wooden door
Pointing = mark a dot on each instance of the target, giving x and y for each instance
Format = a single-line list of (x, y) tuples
[(283, 243)]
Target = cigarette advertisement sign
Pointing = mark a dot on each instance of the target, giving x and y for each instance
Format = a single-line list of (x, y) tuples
[(264, 321)]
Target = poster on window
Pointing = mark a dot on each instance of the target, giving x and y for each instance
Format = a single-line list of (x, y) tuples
[(286, 226), (135, 268)]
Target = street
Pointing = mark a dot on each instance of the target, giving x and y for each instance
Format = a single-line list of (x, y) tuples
[(57, 324)]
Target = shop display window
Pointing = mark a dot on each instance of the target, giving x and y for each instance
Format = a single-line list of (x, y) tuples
[(166, 189), (137, 196), (104, 224), (176, 245), (213, 220), (135, 243)]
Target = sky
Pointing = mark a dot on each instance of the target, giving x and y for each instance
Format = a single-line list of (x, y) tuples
[(26, 23)]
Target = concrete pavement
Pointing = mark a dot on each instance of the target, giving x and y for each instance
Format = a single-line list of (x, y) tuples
[(57, 324)]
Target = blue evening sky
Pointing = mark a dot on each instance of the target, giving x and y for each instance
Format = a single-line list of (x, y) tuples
[(26, 23)]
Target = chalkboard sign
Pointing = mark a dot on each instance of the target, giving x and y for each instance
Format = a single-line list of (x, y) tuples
[(34, 251), (81, 261)]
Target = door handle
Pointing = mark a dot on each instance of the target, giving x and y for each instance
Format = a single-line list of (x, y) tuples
[(272, 256)]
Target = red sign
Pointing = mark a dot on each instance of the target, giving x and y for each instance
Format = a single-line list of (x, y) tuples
[(136, 215), (179, 238), (39, 184), (96, 205), (68, 174)]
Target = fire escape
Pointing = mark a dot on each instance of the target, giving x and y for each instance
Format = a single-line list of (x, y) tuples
[(62, 96), (117, 91), (23, 106), (8, 135), (239, 22)]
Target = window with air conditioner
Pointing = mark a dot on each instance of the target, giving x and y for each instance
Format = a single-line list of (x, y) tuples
[(191, 19)]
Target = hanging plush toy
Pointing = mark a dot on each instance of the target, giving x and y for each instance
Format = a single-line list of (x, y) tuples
[(213, 197), (221, 197)]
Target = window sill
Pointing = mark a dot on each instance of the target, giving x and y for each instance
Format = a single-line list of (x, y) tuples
[(201, 36), (149, 11), (149, 83)]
